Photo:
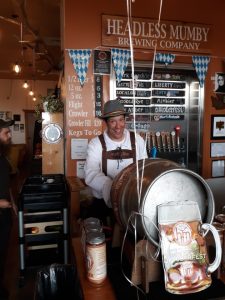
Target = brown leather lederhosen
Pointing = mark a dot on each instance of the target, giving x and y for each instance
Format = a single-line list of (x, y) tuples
[(118, 153)]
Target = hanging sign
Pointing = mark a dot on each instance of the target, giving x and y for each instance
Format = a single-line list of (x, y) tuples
[(148, 34)]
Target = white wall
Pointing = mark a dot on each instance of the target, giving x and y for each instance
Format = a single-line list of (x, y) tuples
[(14, 98)]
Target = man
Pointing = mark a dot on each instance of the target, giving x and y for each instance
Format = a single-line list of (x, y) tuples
[(5, 200), (109, 153)]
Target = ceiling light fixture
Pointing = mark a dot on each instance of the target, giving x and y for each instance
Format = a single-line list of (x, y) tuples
[(34, 98), (25, 85), (31, 93), (17, 68)]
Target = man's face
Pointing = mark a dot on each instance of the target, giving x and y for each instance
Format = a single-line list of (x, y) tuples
[(5, 136), (115, 126)]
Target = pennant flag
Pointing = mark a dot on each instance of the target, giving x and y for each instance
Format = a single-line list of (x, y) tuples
[(80, 59), (164, 58), (201, 67), (120, 59)]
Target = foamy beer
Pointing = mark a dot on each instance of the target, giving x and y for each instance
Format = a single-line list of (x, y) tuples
[(183, 247)]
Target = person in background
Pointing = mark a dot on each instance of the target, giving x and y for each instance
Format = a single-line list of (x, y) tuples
[(6, 204), (220, 83), (108, 154)]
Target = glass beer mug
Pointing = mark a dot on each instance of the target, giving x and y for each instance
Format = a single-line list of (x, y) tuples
[(183, 247)]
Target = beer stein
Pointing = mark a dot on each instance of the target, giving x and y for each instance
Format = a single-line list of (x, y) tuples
[(183, 247)]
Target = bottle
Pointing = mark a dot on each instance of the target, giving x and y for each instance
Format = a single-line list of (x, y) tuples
[(96, 257)]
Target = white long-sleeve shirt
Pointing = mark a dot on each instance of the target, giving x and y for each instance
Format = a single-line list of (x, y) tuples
[(99, 183)]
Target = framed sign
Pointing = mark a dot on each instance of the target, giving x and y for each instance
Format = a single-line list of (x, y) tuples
[(217, 127), (217, 149), (102, 62), (218, 168)]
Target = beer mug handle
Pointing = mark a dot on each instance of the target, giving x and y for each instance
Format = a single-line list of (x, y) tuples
[(215, 264)]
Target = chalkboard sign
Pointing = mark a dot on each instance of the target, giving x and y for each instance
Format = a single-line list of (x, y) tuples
[(168, 93), (138, 118), (139, 84), (168, 101), (138, 110), (137, 101), (138, 126), (141, 75), (98, 95), (162, 98), (169, 85), (130, 93), (168, 109), (168, 117), (169, 76)]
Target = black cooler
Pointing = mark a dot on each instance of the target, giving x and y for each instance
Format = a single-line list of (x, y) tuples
[(43, 220)]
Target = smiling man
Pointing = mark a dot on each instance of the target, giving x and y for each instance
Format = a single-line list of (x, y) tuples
[(109, 153), (5, 200)]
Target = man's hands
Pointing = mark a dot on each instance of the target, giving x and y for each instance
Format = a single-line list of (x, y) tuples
[(5, 203)]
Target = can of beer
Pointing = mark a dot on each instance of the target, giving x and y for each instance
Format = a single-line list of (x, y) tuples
[(89, 224), (96, 257)]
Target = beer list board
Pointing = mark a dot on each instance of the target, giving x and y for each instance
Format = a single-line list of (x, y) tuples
[(81, 109), (160, 99), (82, 124)]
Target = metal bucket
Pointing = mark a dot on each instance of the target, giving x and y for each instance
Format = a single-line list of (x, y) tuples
[(163, 181)]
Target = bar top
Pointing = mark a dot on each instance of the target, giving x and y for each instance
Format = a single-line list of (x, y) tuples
[(75, 183)]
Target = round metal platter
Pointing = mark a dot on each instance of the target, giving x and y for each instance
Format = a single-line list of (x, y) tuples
[(52, 133)]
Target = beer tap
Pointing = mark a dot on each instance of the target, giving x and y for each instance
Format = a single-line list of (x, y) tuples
[(148, 144), (168, 140), (157, 134), (163, 136), (173, 134), (177, 129), (152, 139)]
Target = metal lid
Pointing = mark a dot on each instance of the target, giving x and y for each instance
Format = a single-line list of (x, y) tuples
[(95, 238), (93, 228), (91, 221)]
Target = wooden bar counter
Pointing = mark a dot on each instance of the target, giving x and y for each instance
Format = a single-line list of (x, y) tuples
[(75, 186), (104, 292)]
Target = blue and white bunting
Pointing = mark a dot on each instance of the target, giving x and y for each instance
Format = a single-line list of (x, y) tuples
[(201, 67), (80, 59), (120, 58), (164, 58)]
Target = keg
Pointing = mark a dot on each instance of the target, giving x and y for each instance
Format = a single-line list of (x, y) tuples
[(162, 181)]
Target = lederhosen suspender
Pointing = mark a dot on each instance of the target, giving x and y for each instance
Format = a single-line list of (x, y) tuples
[(117, 154)]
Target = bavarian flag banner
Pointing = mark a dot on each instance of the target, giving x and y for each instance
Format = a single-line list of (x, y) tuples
[(201, 67), (80, 59), (120, 58), (164, 58)]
